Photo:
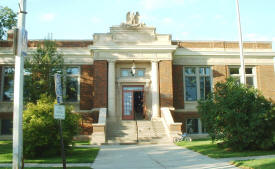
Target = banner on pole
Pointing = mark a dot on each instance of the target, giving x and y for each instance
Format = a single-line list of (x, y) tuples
[(24, 43), (58, 88)]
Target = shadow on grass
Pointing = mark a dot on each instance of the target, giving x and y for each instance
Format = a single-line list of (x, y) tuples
[(51, 168), (74, 155), (206, 147)]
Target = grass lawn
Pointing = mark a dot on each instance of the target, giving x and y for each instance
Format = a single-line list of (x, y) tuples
[(51, 168), (81, 143), (205, 147), (268, 163), (75, 155)]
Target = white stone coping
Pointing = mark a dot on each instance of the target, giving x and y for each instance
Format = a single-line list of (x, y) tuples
[(166, 114), (102, 116), (136, 47)]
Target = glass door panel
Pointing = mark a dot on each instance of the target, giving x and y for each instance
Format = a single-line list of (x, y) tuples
[(127, 105)]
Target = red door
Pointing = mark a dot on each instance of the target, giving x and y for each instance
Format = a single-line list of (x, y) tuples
[(128, 113), (128, 101)]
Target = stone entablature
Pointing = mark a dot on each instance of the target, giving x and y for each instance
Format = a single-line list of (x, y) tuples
[(132, 42)]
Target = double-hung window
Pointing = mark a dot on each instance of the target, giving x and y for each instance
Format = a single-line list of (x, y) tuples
[(197, 81), (8, 83), (250, 75), (72, 84), (195, 126)]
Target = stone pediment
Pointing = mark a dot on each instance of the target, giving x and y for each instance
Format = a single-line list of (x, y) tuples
[(132, 38), (132, 32)]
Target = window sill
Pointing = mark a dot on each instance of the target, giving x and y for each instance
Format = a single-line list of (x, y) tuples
[(72, 102)]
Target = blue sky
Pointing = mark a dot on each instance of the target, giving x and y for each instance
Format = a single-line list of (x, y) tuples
[(184, 19)]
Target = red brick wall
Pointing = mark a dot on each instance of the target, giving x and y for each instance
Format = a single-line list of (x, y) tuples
[(166, 83), (178, 91), (86, 122), (86, 87), (183, 116), (266, 80), (100, 83)]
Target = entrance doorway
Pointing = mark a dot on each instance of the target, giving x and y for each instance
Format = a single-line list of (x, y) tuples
[(133, 103)]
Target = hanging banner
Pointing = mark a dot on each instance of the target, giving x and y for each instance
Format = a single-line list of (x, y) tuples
[(58, 88)]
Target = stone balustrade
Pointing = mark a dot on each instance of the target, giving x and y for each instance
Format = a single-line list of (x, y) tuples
[(99, 129), (173, 127)]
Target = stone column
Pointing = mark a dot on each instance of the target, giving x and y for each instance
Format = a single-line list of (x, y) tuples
[(111, 89), (155, 89)]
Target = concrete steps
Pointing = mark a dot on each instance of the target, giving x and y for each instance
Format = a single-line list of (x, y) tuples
[(122, 132), (152, 132), (133, 132)]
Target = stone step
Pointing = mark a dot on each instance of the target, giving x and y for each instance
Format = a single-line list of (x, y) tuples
[(141, 131)]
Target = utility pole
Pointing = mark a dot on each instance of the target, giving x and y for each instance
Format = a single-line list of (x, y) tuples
[(17, 160), (242, 69)]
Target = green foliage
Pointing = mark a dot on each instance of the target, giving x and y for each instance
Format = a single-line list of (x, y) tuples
[(239, 116), (41, 130), (7, 20), (41, 67)]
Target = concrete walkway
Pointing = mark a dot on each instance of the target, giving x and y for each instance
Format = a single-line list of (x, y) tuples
[(154, 157)]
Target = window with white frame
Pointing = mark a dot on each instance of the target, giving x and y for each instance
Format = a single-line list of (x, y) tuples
[(195, 126), (250, 75), (127, 73), (7, 84), (197, 81), (5, 127), (72, 83)]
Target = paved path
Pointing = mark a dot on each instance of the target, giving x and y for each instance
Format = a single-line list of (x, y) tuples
[(154, 157)]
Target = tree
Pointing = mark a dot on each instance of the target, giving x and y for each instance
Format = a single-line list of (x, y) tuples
[(41, 134), (7, 20), (41, 130), (239, 116), (40, 69)]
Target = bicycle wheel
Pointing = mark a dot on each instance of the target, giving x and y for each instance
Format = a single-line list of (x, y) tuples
[(189, 139), (175, 139)]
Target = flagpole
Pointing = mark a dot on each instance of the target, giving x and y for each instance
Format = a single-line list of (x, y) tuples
[(242, 69), (17, 162)]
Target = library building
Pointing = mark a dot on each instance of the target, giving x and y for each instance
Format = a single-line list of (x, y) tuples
[(132, 84)]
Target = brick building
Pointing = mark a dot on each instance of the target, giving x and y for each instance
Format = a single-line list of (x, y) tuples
[(138, 74)]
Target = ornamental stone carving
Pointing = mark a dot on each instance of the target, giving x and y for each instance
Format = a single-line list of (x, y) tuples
[(132, 20)]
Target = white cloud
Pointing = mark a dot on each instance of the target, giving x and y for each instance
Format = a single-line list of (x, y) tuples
[(155, 4), (48, 17), (167, 20), (255, 37), (218, 16), (185, 34), (95, 19), (196, 16)]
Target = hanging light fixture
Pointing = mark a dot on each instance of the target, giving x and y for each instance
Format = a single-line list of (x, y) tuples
[(133, 69)]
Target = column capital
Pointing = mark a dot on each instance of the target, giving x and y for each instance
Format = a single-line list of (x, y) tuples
[(155, 61), (111, 60)]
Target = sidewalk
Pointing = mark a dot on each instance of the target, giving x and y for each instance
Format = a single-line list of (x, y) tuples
[(154, 157), (166, 156)]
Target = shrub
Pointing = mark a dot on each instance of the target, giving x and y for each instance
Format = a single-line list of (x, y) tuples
[(41, 131), (239, 116)]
